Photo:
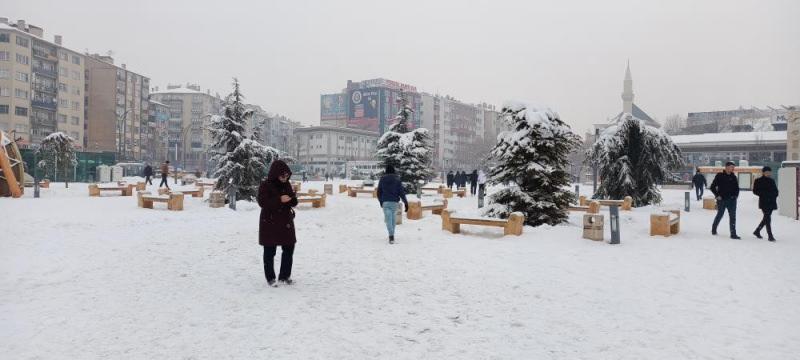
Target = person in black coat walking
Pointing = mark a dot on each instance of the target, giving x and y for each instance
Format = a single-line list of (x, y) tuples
[(450, 179), (699, 182), (767, 192), (148, 174), (726, 189), (473, 182), (276, 222)]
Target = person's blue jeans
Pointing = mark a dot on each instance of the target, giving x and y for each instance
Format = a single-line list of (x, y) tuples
[(730, 205), (698, 189), (389, 211)]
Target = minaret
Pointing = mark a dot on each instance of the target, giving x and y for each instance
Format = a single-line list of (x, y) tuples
[(627, 93)]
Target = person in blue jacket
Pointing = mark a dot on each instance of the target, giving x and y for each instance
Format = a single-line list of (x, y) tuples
[(390, 192)]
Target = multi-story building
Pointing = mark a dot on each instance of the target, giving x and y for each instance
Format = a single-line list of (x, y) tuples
[(737, 120), (41, 85), (370, 105), (275, 130), (326, 149), (117, 113), (793, 134), (190, 112), (158, 122)]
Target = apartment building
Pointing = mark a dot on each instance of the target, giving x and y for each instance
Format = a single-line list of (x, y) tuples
[(158, 122), (276, 130), (190, 111), (326, 149), (41, 85), (117, 115)]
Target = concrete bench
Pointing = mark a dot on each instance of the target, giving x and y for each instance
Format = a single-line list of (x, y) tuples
[(125, 190), (593, 207), (353, 192), (666, 223), (316, 201), (415, 208), (174, 200), (511, 226)]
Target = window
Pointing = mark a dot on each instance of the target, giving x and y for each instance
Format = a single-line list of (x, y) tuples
[(3, 109), (62, 118), (21, 76), (19, 93), (5, 92), (22, 59), (76, 105), (76, 75), (5, 37), (4, 56), (21, 111), (63, 56), (5, 74), (21, 41), (62, 87), (75, 120), (21, 128), (76, 60), (76, 90), (74, 135), (64, 103), (62, 70)]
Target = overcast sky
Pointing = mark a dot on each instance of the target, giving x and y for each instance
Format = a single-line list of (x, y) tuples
[(569, 55)]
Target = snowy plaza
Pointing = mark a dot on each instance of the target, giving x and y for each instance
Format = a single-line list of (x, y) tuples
[(100, 278)]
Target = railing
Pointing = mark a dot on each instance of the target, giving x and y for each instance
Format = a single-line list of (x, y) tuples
[(45, 103), (43, 88), (40, 70)]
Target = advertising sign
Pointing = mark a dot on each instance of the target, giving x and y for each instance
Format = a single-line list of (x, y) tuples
[(332, 107), (364, 112)]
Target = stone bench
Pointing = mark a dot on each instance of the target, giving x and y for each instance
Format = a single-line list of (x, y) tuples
[(666, 223), (125, 190), (511, 226), (316, 201), (174, 200), (415, 208)]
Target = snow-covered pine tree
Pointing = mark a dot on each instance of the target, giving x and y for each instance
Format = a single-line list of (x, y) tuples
[(409, 152), (57, 152), (532, 159), (242, 162), (632, 158)]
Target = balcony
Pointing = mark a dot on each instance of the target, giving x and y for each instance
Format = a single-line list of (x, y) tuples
[(46, 72), (45, 103), (44, 88)]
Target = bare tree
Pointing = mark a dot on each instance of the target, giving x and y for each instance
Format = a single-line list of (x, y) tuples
[(675, 124)]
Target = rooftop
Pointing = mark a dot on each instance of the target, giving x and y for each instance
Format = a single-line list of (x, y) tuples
[(754, 137)]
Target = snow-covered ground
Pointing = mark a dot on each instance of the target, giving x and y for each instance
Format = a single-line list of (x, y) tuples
[(99, 278)]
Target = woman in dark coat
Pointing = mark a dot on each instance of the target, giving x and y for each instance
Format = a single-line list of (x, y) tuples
[(767, 192), (276, 225)]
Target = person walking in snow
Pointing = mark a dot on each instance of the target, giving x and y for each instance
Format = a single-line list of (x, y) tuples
[(473, 182), (148, 174), (481, 181), (276, 222), (726, 190), (390, 192), (164, 174), (304, 177), (699, 183), (450, 179), (767, 192)]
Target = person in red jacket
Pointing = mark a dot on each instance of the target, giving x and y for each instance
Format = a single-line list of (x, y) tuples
[(276, 222)]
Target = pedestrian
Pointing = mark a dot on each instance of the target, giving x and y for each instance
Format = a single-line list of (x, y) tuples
[(164, 174), (462, 176), (276, 222), (767, 192), (481, 182), (699, 183), (390, 192), (726, 190), (473, 182), (450, 179), (304, 177), (148, 174)]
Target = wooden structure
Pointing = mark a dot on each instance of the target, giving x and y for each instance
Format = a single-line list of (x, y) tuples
[(447, 193), (582, 200), (709, 203), (216, 199), (342, 188), (296, 186), (174, 200), (415, 208), (126, 189), (353, 192), (461, 192), (12, 169), (316, 201), (626, 204), (666, 223), (328, 189), (437, 189), (511, 226), (593, 227), (44, 184), (592, 208)]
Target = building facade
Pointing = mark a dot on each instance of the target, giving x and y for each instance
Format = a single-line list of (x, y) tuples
[(327, 149), (736, 120), (41, 85), (190, 112), (275, 130), (117, 115), (756, 148), (158, 122), (793, 134), (370, 105)]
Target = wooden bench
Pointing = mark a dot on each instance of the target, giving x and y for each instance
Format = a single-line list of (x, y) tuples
[(353, 192), (328, 189), (625, 204), (709, 203), (208, 183), (310, 192), (666, 223), (195, 192), (461, 192), (593, 207), (316, 201), (126, 190), (437, 189), (342, 188), (296, 186), (174, 200), (44, 184), (511, 226), (415, 208)]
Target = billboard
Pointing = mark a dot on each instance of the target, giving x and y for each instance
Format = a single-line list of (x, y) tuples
[(391, 107), (333, 107), (364, 109)]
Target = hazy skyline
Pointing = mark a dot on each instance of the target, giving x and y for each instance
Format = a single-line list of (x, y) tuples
[(685, 56)]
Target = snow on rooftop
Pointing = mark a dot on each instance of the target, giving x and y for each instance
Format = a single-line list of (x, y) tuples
[(735, 137), (180, 90)]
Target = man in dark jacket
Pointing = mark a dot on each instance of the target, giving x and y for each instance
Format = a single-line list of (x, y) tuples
[(276, 222), (390, 192), (164, 174), (699, 182), (450, 179), (726, 189), (767, 192), (473, 182), (148, 173)]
